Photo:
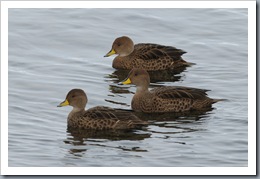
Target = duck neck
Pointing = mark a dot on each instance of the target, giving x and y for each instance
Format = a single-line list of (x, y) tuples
[(76, 111), (142, 88)]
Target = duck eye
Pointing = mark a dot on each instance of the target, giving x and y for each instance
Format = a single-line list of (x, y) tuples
[(73, 96), (119, 44), (136, 74)]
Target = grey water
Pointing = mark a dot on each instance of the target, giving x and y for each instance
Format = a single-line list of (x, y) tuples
[(52, 51)]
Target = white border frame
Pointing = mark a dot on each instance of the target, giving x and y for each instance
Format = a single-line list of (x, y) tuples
[(250, 170)]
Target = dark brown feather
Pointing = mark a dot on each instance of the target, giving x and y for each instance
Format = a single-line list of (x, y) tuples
[(173, 92), (149, 51)]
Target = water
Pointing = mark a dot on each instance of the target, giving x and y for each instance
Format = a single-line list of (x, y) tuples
[(54, 50)]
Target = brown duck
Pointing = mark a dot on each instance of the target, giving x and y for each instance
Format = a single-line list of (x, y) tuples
[(98, 118), (148, 56), (165, 99)]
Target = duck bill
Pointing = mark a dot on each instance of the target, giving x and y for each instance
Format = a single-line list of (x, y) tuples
[(127, 81), (111, 52), (64, 103)]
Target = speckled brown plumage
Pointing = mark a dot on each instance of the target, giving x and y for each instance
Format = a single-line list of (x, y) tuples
[(98, 118), (166, 99), (148, 56)]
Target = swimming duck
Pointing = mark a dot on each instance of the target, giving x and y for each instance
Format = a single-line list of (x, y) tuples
[(98, 118), (148, 56), (165, 99)]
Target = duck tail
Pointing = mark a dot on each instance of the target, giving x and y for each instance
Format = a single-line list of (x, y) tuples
[(190, 64), (217, 100)]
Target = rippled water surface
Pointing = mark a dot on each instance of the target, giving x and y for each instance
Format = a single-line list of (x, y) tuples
[(54, 50)]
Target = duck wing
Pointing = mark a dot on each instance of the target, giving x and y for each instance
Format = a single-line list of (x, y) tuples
[(173, 92), (100, 112), (149, 51), (106, 117)]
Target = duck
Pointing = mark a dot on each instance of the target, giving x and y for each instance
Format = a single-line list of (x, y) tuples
[(99, 117), (148, 56), (166, 98)]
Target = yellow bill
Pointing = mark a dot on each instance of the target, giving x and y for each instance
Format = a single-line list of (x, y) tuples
[(127, 81), (64, 103), (111, 52)]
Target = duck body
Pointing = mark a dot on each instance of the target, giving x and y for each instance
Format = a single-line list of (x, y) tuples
[(103, 118), (171, 99), (148, 56), (97, 118), (166, 99)]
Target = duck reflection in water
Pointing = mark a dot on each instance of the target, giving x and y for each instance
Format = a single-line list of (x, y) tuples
[(166, 124), (88, 138), (155, 76)]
